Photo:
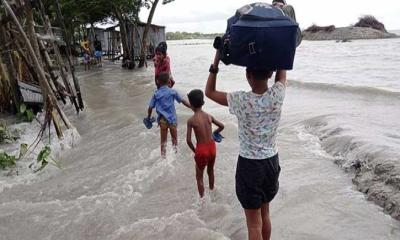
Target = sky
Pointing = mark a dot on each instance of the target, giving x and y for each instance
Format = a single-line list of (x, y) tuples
[(209, 16)]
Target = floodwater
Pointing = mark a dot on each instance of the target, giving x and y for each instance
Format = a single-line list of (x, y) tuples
[(114, 184)]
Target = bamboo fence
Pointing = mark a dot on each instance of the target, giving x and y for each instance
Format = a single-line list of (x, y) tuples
[(31, 62)]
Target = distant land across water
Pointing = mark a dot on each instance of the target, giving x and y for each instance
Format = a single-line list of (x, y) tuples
[(199, 35), (187, 35), (395, 31)]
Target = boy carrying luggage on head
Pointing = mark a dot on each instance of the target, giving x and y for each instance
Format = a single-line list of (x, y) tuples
[(258, 113)]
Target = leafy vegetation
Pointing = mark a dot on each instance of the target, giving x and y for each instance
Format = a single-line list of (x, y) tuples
[(314, 28), (7, 136), (7, 160), (371, 22), (43, 159), (25, 114)]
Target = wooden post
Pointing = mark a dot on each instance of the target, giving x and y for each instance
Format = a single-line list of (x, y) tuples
[(67, 40), (145, 34), (24, 58), (49, 66), (4, 88), (15, 94), (31, 30), (56, 124)]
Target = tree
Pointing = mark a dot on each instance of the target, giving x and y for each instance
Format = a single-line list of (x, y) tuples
[(152, 5), (126, 12)]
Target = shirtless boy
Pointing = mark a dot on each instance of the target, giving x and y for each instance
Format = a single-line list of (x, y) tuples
[(205, 151)]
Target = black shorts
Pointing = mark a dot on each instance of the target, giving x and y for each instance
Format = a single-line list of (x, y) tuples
[(257, 181)]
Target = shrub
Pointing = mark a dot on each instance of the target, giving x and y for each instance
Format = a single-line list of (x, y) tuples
[(25, 114), (7, 136), (371, 22), (314, 28), (7, 161)]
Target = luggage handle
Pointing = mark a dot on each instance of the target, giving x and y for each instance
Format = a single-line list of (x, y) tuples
[(252, 48)]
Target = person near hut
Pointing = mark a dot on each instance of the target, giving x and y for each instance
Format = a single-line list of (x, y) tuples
[(98, 51), (85, 44), (86, 60), (163, 101), (162, 63)]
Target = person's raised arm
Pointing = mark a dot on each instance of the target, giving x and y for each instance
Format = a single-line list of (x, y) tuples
[(219, 124), (180, 99), (186, 103), (280, 76), (189, 136), (210, 91)]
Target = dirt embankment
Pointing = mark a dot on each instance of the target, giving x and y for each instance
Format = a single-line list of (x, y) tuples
[(367, 27), (347, 33)]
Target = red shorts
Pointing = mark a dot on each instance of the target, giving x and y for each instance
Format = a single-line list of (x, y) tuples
[(205, 154)]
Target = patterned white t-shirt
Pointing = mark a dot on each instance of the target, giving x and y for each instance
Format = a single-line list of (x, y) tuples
[(258, 117)]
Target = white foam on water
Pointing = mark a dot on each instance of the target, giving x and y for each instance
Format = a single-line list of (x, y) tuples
[(184, 225), (21, 173)]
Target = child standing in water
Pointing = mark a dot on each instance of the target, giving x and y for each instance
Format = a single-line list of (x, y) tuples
[(86, 60), (162, 63), (164, 102), (258, 113), (205, 151)]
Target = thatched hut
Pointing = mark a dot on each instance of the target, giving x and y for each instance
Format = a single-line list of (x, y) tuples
[(156, 35), (109, 37)]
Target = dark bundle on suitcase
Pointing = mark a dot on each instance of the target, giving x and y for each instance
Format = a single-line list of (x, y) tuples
[(259, 36)]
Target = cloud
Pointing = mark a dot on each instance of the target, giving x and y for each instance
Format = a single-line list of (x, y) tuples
[(217, 26), (193, 17)]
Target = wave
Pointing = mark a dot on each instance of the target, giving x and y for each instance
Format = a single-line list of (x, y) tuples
[(359, 90), (375, 167)]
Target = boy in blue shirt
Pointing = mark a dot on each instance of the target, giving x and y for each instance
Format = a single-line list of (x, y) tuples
[(163, 101)]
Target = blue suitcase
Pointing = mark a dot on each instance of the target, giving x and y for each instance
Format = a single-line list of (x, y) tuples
[(260, 36)]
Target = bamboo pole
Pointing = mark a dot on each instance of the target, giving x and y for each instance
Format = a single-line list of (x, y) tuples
[(31, 30), (24, 58), (15, 94), (49, 65), (4, 87), (56, 124), (67, 40), (48, 95), (59, 59)]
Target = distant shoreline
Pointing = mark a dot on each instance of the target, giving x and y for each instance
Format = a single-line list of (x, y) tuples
[(188, 36)]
